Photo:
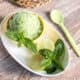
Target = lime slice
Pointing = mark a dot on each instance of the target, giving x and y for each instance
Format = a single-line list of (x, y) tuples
[(34, 62), (45, 43)]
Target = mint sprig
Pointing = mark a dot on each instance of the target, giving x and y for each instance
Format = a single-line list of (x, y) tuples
[(21, 39), (53, 57)]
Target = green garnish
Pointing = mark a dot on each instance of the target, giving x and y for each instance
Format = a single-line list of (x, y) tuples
[(58, 64), (46, 53), (59, 49), (19, 37), (46, 62), (28, 43), (51, 68), (53, 57)]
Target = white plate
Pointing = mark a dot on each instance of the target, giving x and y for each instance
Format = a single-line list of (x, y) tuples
[(22, 54)]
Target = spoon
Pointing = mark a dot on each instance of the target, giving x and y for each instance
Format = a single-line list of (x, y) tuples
[(58, 19)]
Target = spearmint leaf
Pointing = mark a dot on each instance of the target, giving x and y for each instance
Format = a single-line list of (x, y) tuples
[(45, 62), (59, 49), (46, 53), (11, 35), (29, 44), (50, 68), (16, 36), (19, 37), (58, 64)]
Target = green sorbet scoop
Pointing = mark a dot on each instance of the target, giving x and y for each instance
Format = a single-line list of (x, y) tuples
[(27, 22)]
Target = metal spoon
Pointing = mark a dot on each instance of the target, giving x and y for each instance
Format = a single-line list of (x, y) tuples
[(58, 19)]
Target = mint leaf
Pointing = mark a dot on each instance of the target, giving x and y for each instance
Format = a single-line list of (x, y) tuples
[(58, 64), (29, 44), (16, 36), (46, 62), (51, 68), (19, 37), (59, 49), (46, 53), (11, 35), (53, 57)]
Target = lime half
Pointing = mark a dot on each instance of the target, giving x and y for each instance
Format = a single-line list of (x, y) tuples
[(34, 62), (45, 43)]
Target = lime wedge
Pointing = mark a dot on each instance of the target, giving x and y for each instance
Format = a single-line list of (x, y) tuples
[(45, 43), (34, 62)]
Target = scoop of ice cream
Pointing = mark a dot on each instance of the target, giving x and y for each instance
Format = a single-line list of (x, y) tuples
[(27, 22)]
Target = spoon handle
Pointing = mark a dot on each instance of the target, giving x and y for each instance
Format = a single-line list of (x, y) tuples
[(70, 39)]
